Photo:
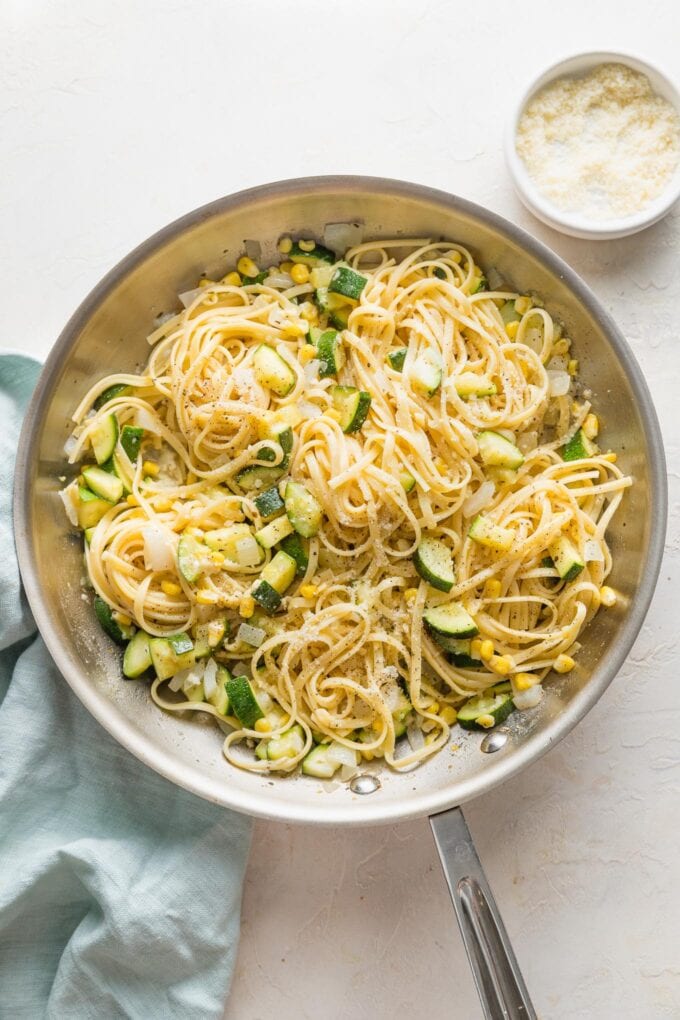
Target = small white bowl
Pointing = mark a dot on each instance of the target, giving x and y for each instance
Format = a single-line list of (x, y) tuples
[(572, 223)]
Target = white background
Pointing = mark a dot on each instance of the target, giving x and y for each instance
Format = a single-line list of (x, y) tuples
[(117, 117)]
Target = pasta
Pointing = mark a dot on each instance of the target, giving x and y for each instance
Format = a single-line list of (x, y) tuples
[(411, 445)]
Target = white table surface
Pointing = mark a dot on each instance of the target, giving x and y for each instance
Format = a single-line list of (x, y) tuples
[(116, 118)]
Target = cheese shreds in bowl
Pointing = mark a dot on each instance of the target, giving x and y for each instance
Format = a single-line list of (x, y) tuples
[(603, 145)]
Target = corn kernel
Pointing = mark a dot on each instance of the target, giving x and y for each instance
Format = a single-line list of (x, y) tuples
[(191, 478), (294, 328), (307, 245), (206, 283), (523, 681), (232, 279), (247, 267), (511, 329), (487, 721), (206, 598), (284, 720), (132, 500), (122, 619), (523, 304), (308, 311), (561, 347), (308, 591), (455, 256), (171, 588), (608, 596), (307, 353), (486, 649), (441, 464), (563, 664), (218, 558), (525, 369), (263, 726), (591, 426), (492, 588), (501, 664), (286, 267), (434, 707), (449, 715), (284, 245), (367, 755), (611, 457), (333, 414), (431, 737), (246, 607), (476, 648), (572, 367), (149, 467), (300, 274), (161, 506), (410, 594)]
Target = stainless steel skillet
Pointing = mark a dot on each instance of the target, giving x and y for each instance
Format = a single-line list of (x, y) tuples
[(107, 334)]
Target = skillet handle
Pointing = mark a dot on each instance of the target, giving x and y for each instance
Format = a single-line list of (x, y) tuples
[(499, 982)]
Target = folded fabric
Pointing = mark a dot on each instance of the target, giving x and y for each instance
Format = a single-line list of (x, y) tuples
[(120, 894)]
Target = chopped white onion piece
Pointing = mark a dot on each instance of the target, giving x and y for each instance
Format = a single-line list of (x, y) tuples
[(280, 281), (146, 420), (240, 669), (251, 635), (559, 383), (193, 677), (479, 499), (176, 682), (311, 370), (253, 250), (494, 278), (390, 693), (309, 410), (528, 699), (189, 296), (159, 552), (70, 445), (68, 497), (163, 318), (342, 755), (415, 736), (507, 434), (558, 363), (341, 236), (592, 551), (210, 678), (348, 772), (528, 441), (248, 552)]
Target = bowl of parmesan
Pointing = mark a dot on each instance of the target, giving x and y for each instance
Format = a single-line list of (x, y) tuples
[(594, 146)]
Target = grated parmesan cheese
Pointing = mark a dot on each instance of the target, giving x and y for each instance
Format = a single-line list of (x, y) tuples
[(604, 145)]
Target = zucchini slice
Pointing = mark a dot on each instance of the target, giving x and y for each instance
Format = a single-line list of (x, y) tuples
[(225, 540), (166, 660), (190, 558), (331, 354), (219, 698), (396, 359), (452, 620), (485, 706), (434, 563), (275, 578), (566, 558), (497, 451), (318, 764), (272, 371), (484, 532), (131, 440), (469, 384), (509, 313), (297, 550), (269, 503), (104, 437), (117, 390), (347, 282), (303, 510), (353, 405), (104, 614), (426, 373), (266, 596), (257, 476), (407, 481), (288, 745), (242, 701), (103, 484), (91, 508), (137, 657), (458, 652), (318, 256), (579, 447), (274, 532)]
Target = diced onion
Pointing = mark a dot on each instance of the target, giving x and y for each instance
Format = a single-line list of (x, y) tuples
[(341, 236), (280, 281), (507, 434), (494, 278), (159, 553), (592, 552), (68, 497), (415, 736), (528, 441), (309, 410), (311, 370), (194, 676), (253, 250), (390, 692), (248, 553), (189, 296), (479, 499), (210, 678), (559, 383), (70, 445), (342, 755), (146, 420), (528, 699), (240, 669), (348, 772), (176, 682), (250, 635), (558, 363)]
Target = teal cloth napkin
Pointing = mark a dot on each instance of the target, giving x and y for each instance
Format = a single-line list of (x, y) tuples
[(120, 894)]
